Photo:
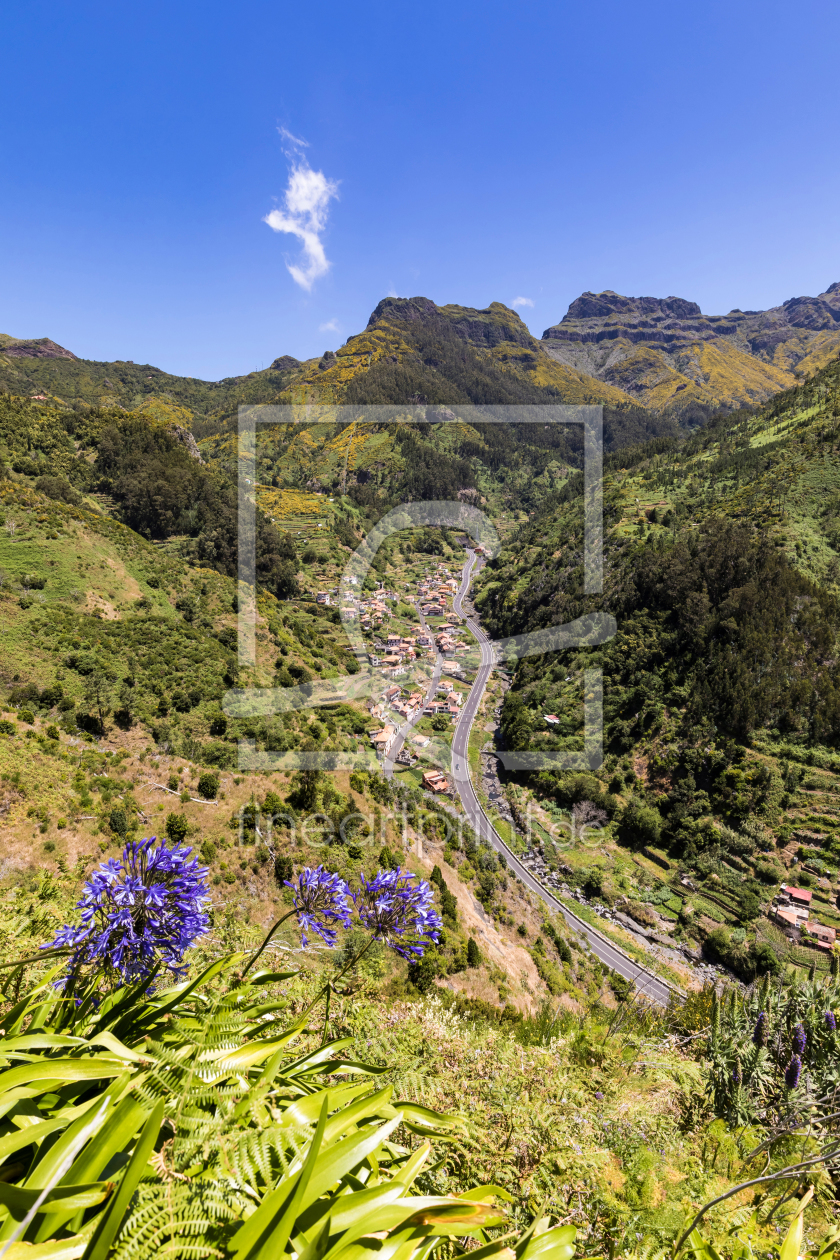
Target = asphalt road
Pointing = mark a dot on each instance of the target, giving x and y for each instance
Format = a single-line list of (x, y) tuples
[(645, 981)]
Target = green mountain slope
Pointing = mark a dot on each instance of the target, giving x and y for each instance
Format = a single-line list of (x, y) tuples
[(722, 570)]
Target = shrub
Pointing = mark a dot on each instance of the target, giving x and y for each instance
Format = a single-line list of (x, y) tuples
[(52, 731), (7, 727), (26, 715), (177, 827), (473, 953), (208, 785), (640, 825), (58, 488), (283, 868), (118, 821)]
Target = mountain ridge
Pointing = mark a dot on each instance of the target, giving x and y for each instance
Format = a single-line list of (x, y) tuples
[(661, 356), (666, 354)]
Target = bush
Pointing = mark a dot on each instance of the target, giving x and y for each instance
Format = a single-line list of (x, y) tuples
[(473, 953), (423, 972), (118, 821), (208, 785), (207, 852), (173, 783), (26, 715), (7, 727), (283, 868), (177, 827), (58, 488), (640, 825)]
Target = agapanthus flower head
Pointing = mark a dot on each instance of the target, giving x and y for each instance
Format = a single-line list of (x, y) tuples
[(760, 1030), (320, 899), (399, 910), (800, 1041), (830, 1021), (137, 913), (793, 1071)]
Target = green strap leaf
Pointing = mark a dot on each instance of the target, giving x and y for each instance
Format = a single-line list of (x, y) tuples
[(48, 1071), (112, 1217), (267, 1231), (19, 1201)]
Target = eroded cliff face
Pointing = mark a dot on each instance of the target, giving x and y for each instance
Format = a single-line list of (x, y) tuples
[(666, 353)]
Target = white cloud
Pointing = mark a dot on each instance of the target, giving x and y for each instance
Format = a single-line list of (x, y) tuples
[(330, 326), (521, 301), (306, 209)]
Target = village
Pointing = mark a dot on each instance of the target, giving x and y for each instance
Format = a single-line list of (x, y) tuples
[(413, 636)]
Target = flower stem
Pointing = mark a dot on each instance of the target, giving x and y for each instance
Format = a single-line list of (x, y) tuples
[(280, 921)]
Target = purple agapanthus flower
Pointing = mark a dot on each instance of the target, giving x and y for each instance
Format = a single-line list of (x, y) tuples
[(800, 1041), (139, 912), (830, 1021), (320, 898), (793, 1071), (399, 912)]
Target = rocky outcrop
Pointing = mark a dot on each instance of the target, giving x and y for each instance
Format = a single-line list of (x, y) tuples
[(186, 439), (285, 363), (42, 348), (490, 327), (595, 317), (666, 353)]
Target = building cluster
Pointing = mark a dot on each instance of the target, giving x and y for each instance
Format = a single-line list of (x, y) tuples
[(408, 704), (791, 909)]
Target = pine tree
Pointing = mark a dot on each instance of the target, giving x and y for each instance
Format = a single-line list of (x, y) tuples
[(473, 955)]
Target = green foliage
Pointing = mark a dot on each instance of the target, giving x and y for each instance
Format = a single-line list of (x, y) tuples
[(208, 785), (177, 827), (258, 1144), (118, 821), (473, 953)]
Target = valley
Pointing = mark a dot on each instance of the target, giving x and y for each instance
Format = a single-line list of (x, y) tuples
[(610, 933)]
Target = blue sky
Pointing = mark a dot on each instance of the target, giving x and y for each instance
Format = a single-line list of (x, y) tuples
[(477, 152)]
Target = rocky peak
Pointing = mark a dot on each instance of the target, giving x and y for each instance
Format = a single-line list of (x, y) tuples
[(40, 348), (285, 363), (410, 309), (603, 305)]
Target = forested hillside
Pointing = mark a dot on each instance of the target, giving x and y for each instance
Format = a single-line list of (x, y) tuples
[(721, 684)]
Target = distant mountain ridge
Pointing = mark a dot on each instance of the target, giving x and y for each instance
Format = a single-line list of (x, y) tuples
[(660, 356), (666, 353)]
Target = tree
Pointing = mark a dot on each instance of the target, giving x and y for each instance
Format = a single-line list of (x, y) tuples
[(118, 822), (640, 825), (283, 868), (177, 827), (473, 954), (208, 785), (98, 694)]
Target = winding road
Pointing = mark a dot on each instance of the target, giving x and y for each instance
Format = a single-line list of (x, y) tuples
[(645, 981)]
